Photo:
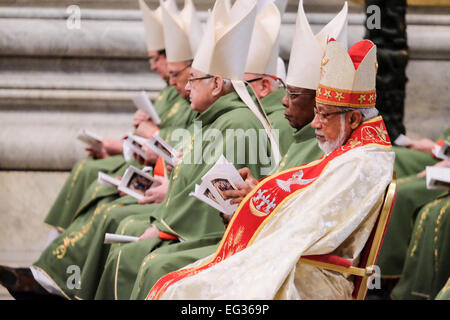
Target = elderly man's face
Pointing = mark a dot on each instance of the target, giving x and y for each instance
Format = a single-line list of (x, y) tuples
[(299, 107), (178, 76), (333, 126), (158, 63), (200, 88)]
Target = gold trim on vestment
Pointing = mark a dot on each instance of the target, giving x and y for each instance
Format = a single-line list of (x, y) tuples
[(75, 236), (436, 235), (143, 264), (419, 229), (116, 274)]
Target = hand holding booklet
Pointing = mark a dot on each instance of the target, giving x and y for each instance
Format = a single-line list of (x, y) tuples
[(135, 144), (135, 182), (94, 141), (442, 152), (142, 102), (222, 176), (163, 149)]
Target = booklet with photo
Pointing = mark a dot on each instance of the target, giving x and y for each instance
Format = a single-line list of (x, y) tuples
[(442, 152), (142, 102), (91, 139), (438, 178), (135, 182), (135, 144), (107, 180), (163, 149), (222, 176)]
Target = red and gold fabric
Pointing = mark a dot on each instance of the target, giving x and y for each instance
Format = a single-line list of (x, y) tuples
[(268, 197)]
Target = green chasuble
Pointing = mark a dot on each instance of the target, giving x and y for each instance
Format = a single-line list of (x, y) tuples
[(82, 243), (444, 294), (275, 112), (85, 172), (427, 265), (412, 194), (163, 103), (303, 150)]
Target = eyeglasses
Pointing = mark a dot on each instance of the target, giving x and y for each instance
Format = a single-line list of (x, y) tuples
[(254, 80), (325, 117), (293, 94), (190, 80), (176, 74)]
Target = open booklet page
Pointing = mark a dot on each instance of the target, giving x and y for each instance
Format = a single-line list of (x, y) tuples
[(135, 182), (142, 102), (438, 178), (163, 149), (107, 180), (91, 139), (221, 177), (135, 144)]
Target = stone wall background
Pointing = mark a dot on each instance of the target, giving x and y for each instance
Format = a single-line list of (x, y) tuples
[(55, 82)]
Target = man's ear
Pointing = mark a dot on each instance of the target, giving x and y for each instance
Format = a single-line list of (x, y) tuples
[(265, 87), (355, 119), (217, 82)]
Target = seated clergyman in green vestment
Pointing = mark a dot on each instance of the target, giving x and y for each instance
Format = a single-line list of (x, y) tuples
[(110, 160), (299, 102), (427, 261), (81, 243), (412, 194), (124, 260)]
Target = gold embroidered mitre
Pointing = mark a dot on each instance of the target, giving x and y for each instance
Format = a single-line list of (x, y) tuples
[(348, 78)]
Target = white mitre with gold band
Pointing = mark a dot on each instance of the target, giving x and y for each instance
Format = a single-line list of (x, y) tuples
[(224, 50), (348, 78), (307, 50), (182, 31), (154, 35), (264, 46)]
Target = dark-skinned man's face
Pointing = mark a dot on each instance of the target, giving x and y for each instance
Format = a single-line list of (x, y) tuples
[(299, 103)]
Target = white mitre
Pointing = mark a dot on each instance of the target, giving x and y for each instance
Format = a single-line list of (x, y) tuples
[(182, 31), (264, 46), (224, 47), (224, 50), (281, 69), (281, 5), (308, 50), (154, 35)]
